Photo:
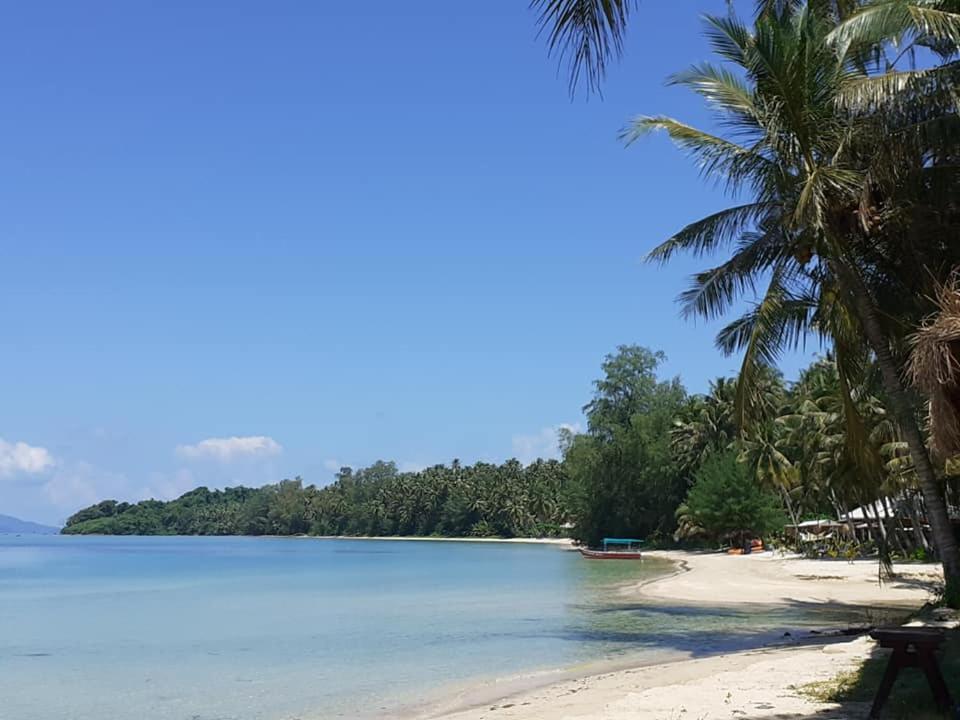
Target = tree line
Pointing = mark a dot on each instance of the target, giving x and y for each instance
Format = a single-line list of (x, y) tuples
[(654, 462), (480, 500)]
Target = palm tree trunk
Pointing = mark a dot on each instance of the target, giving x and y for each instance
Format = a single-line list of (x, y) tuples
[(895, 527), (903, 412), (851, 527), (881, 528), (916, 521), (793, 517)]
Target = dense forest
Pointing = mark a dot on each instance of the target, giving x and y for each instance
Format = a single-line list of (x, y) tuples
[(505, 500)]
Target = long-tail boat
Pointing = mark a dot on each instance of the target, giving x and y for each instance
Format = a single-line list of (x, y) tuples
[(615, 549)]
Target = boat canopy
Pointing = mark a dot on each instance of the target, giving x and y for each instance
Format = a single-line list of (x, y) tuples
[(621, 541)]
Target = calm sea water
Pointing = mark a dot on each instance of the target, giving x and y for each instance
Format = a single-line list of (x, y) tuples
[(93, 628)]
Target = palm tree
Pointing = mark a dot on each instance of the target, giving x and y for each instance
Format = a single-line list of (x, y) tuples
[(816, 228), (762, 452), (706, 426)]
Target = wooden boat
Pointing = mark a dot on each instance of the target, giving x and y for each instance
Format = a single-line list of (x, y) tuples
[(610, 554), (623, 549)]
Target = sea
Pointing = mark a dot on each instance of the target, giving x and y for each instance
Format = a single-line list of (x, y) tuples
[(204, 628)]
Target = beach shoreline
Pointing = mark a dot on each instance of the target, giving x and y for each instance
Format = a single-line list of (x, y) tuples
[(758, 683), (562, 542)]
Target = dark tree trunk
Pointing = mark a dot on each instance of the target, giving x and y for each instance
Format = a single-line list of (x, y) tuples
[(905, 415), (917, 521), (895, 527)]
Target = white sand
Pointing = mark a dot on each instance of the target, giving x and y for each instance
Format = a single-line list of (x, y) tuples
[(565, 542), (769, 578), (756, 685)]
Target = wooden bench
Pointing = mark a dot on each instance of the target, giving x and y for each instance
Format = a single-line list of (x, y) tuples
[(912, 647)]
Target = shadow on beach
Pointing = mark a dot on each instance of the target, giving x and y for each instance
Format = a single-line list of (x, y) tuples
[(852, 692), (704, 630)]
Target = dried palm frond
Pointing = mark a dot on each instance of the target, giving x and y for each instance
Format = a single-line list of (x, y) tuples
[(934, 368)]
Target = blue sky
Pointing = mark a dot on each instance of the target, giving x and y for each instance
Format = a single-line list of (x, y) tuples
[(335, 231)]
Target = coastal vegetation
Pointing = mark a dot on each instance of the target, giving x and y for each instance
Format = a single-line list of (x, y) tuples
[(654, 462), (844, 170), (482, 500), (725, 504), (624, 477)]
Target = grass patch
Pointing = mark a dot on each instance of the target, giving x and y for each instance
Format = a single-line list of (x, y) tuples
[(911, 698)]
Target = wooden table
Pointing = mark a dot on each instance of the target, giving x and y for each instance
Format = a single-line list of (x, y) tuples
[(912, 647)]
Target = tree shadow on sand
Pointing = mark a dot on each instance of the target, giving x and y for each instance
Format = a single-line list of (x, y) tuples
[(851, 693)]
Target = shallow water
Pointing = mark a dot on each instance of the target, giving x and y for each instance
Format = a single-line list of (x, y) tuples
[(274, 629)]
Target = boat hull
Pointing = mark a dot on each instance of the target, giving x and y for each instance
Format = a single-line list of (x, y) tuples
[(609, 554)]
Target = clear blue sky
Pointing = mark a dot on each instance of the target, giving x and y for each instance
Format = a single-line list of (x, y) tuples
[(361, 230)]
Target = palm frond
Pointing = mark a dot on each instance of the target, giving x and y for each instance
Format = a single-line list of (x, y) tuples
[(899, 92), (586, 34), (721, 88), (717, 157), (728, 37), (714, 291), (894, 19), (707, 234), (777, 323)]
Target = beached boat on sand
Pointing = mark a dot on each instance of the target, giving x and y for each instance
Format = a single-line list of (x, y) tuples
[(615, 549)]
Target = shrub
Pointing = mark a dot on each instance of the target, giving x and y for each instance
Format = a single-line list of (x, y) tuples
[(726, 504)]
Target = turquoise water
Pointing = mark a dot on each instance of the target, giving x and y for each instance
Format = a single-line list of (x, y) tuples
[(93, 628)]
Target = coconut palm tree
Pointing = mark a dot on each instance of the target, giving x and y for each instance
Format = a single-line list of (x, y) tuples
[(815, 231), (706, 426)]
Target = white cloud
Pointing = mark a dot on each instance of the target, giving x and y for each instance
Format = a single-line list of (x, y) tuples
[(543, 444), (231, 448), (18, 457)]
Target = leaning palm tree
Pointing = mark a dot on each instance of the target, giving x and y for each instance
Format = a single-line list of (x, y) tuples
[(814, 231)]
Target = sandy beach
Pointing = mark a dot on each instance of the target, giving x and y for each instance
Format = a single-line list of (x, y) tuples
[(755, 685), (565, 542)]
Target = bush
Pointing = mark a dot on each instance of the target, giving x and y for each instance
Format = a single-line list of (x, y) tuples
[(726, 504)]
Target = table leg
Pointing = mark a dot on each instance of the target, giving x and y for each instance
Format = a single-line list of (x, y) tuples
[(940, 692), (886, 684)]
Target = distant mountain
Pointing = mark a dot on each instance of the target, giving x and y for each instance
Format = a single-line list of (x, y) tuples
[(11, 525)]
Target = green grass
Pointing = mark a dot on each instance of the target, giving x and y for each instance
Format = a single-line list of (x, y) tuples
[(911, 698)]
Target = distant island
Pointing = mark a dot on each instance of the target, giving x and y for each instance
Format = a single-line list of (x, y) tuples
[(481, 500), (10, 525)]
